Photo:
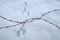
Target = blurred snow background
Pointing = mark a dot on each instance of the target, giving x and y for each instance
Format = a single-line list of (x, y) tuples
[(37, 30)]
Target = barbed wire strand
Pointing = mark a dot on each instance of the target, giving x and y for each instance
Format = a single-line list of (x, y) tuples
[(49, 12), (51, 23), (30, 20)]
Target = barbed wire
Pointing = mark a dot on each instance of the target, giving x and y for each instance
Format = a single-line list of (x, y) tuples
[(30, 20), (49, 12), (21, 32), (51, 23)]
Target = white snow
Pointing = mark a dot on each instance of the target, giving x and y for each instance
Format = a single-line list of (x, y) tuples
[(37, 30)]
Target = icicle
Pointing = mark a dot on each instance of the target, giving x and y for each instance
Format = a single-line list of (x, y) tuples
[(18, 33), (24, 10), (28, 13), (21, 32), (25, 3)]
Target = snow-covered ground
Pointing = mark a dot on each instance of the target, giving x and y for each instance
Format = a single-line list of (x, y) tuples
[(18, 10)]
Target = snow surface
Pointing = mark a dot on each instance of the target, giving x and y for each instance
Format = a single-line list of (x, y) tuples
[(37, 30)]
